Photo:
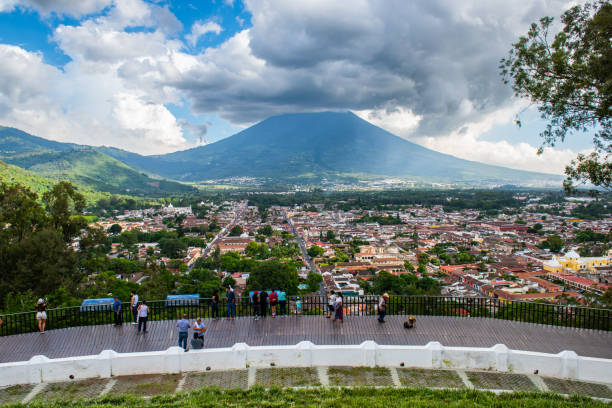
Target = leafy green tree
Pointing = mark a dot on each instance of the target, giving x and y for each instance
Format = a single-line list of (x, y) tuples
[(315, 251), (313, 280), (330, 235), (229, 281), (408, 266), (265, 230), (236, 231), (272, 275), (568, 77), (64, 205), (115, 229), (341, 256), (172, 247), (423, 258), (554, 243)]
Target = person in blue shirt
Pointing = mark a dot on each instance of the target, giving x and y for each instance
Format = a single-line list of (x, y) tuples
[(183, 331), (117, 311), (231, 303), (282, 302)]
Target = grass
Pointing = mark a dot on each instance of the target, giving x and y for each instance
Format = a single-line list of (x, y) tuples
[(342, 397)]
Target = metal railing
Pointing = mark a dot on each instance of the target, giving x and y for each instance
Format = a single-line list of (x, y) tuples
[(549, 314)]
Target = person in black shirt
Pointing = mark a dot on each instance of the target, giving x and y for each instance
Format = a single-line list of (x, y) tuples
[(263, 303), (255, 301), (214, 304)]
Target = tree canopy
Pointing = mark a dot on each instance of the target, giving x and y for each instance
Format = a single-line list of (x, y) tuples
[(569, 78)]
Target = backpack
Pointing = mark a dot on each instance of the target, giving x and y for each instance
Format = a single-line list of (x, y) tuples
[(273, 297)]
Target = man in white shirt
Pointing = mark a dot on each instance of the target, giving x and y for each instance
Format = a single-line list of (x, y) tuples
[(142, 314), (331, 305)]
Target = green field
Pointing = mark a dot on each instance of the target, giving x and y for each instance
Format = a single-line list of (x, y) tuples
[(332, 398)]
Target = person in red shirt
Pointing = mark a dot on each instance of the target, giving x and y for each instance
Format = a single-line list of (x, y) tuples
[(273, 302)]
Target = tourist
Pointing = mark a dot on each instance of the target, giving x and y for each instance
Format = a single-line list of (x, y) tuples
[(214, 305), (292, 306), (134, 306), (255, 302), (273, 302), (382, 308), (339, 312), (183, 331), (298, 306), (231, 303), (331, 304), (197, 342), (142, 315), (263, 303), (282, 302), (198, 329), (41, 315), (117, 311)]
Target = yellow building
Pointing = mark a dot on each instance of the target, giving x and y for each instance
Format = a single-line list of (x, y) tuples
[(572, 262)]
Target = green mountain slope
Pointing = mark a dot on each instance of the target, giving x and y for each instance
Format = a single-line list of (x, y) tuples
[(81, 165), (325, 144), (40, 184)]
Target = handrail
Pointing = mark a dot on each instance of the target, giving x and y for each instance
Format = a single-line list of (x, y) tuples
[(541, 313)]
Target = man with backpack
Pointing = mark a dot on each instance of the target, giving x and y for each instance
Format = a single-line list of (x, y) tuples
[(263, 303)]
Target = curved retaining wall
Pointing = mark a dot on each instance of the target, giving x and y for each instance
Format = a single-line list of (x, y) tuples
[(566, 364)]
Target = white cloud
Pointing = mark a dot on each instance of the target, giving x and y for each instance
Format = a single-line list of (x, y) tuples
[(200, 29), (424, 70), (73, 8)]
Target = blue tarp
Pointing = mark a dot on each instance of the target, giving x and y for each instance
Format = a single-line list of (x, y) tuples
[(97, 304), (181, 300)]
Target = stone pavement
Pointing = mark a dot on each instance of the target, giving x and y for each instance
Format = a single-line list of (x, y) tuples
[(289, 330)]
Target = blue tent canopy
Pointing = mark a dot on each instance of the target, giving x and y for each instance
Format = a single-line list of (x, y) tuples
[(97, 304), (181, 300)]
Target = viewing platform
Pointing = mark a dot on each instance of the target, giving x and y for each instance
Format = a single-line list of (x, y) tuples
[(290, 330)]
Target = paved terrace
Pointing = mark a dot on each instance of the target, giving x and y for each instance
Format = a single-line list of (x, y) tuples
[(289, 330)]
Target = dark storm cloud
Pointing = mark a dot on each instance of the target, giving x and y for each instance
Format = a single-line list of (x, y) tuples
[(436, 58)]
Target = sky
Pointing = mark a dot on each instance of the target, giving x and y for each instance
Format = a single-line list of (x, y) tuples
[(158, 76)]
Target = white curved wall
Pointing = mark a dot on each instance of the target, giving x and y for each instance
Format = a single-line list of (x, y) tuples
[(566, 364)]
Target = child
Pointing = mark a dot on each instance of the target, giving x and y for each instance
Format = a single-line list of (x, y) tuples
[(410, 323), (298, 306)]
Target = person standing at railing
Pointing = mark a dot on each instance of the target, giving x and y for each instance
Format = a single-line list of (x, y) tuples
[(231, 303), (255, 302), (339, 312), (273, 302), (183, 331), (331, 304), (382, 308), (117, 311), (142, 315), (282, 302), (214, 305), (41, 315), (263, 303), (134, 306)]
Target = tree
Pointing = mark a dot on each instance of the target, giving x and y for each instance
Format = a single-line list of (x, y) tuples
[(236, 231), (568, 77), (554, 243), (273, 275), (64, 205), (265, 230), (330, 235), (313, 280), (408, 266), (115, 229), (229, 282), (172, 247), (315, 251)]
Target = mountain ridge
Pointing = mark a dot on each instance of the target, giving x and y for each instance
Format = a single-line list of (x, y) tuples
[(313, 146)]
